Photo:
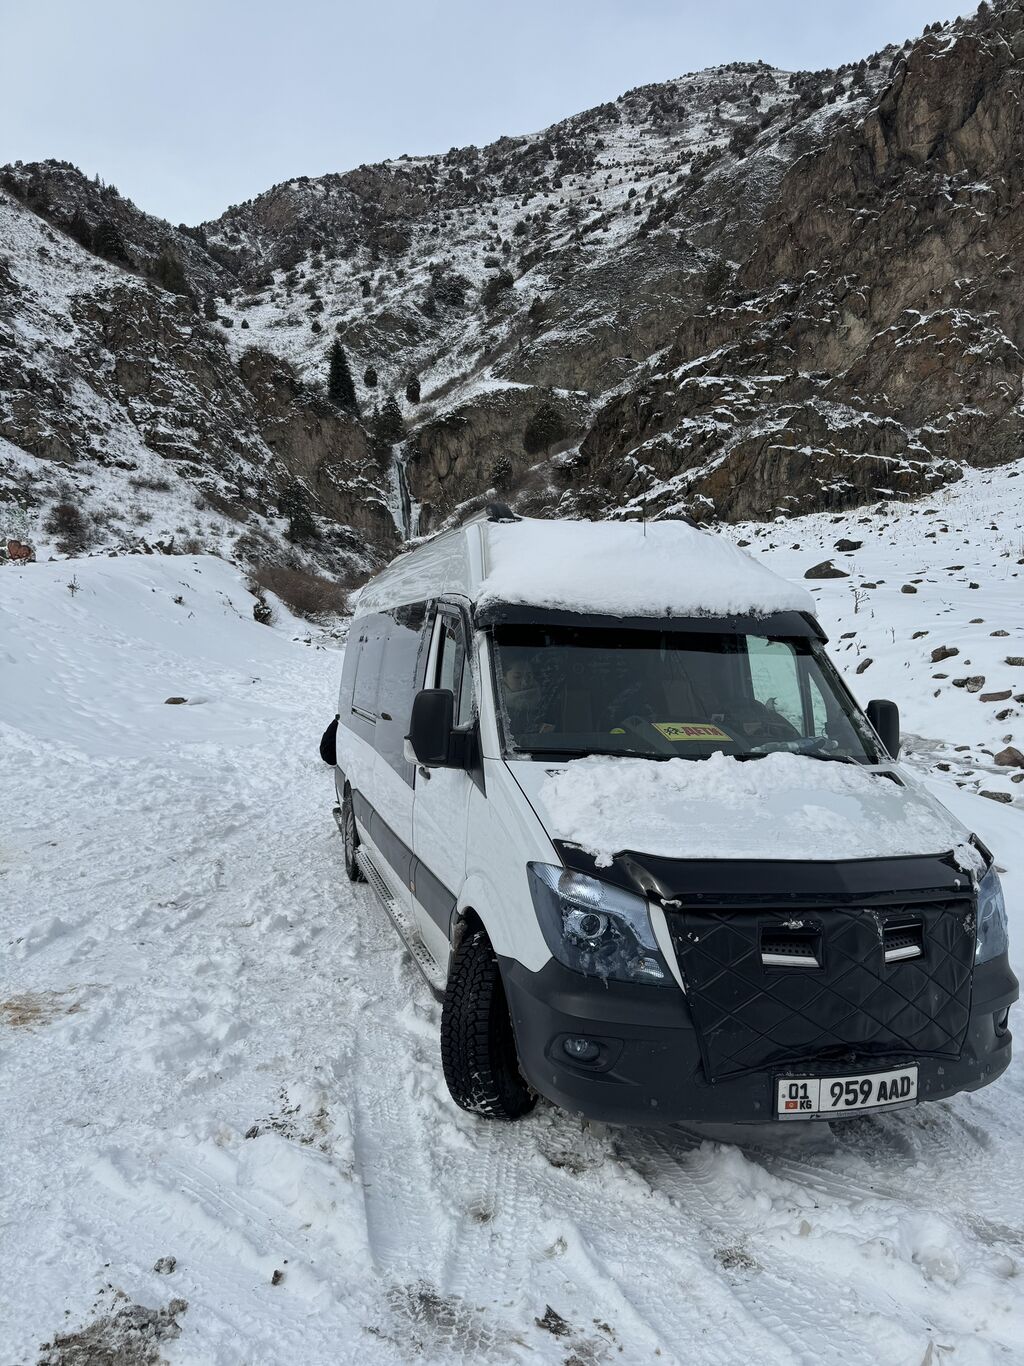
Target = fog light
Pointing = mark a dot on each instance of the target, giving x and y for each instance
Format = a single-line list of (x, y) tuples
[(582, 1050)]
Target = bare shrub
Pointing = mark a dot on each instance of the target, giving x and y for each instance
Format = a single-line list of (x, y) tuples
[(70, 528), (306, 594), (151, 485)]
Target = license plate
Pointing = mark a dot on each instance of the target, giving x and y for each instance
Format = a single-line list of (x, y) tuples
[(812, 1097)]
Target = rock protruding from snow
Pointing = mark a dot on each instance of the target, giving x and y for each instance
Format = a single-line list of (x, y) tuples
[(825, 570)]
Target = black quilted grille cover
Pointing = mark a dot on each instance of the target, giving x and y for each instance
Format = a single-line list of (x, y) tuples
[(854, 1007)]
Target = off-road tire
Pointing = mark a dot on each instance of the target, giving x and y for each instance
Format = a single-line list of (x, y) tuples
[(478, 1047), (350, 838)]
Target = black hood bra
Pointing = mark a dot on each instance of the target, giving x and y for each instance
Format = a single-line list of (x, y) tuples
[(775, 882)]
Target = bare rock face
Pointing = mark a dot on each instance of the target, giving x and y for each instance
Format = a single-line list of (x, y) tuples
[(458, 459), (856, 281), (329, 451)]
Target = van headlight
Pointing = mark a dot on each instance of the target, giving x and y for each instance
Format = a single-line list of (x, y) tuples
[(596, 928), (993, 938)]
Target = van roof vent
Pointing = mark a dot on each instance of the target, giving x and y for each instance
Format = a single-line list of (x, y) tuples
[(501, 512)]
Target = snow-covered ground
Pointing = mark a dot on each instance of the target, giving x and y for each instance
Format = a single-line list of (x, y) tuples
[(213, 1050), (961, 552)]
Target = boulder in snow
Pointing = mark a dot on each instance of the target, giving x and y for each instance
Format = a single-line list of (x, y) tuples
[(825, 570)]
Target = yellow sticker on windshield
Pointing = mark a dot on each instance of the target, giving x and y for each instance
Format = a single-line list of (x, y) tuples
[(691, 730)]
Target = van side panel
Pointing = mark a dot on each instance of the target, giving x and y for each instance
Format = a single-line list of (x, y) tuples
[(503, 835)]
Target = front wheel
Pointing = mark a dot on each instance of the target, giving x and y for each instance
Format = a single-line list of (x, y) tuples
[(478, 1047), (350, 838)]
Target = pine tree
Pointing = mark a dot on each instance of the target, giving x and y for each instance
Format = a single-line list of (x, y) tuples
[(108, 241), (546, 427), (370, 377), (412, 389), (169, 272), (294, 505), (389, 426), (340, 389)]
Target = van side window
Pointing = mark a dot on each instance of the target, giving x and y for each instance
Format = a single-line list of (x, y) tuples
[(453, 671), (371, 656), (464, 712), (404, 663), (348, 670)]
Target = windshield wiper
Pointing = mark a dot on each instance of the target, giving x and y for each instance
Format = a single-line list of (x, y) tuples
[(826, 758), (562, 753)]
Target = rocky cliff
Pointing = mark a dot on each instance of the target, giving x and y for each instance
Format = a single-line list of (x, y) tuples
[(741, 293)]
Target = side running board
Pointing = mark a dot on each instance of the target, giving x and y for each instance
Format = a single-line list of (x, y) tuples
[(406, 929)]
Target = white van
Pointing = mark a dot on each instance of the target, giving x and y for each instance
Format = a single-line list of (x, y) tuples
[(644, 845)]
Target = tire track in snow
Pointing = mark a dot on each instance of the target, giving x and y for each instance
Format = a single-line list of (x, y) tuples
[(837, 1274)]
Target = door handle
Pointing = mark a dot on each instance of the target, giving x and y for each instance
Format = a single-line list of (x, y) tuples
[(423, 771)]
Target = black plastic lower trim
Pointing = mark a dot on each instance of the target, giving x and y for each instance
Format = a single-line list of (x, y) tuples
[(649, 1070), (429, 890)]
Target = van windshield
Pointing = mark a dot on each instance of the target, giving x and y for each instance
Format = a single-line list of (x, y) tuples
[(566, 692)]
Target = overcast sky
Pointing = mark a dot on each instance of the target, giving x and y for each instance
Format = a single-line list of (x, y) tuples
[(188, 106)]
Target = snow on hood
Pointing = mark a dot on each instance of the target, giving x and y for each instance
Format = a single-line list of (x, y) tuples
[(625, 569), (784, 806)]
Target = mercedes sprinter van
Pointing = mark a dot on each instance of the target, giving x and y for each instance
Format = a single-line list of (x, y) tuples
[(654, 860)]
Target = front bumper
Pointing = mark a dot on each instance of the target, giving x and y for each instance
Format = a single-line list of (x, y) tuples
[(649, 1069)]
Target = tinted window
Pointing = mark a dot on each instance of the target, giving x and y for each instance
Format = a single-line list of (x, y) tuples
[(400, 678), (371, 655), (449, 656), (453, 670), (464, 711), (348, 669)]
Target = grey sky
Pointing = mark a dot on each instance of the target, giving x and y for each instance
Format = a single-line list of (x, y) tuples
[(191, 105)]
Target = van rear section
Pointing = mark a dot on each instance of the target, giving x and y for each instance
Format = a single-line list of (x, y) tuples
[(809, 991)]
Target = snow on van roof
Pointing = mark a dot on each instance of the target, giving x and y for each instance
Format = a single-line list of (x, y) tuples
[(627, 569)]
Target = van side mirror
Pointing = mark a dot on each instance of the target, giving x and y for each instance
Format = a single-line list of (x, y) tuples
[(885, 717), (432, 733)]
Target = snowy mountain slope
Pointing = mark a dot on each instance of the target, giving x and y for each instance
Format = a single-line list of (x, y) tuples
[(118, 400), (735, 291), (214, 1050)]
